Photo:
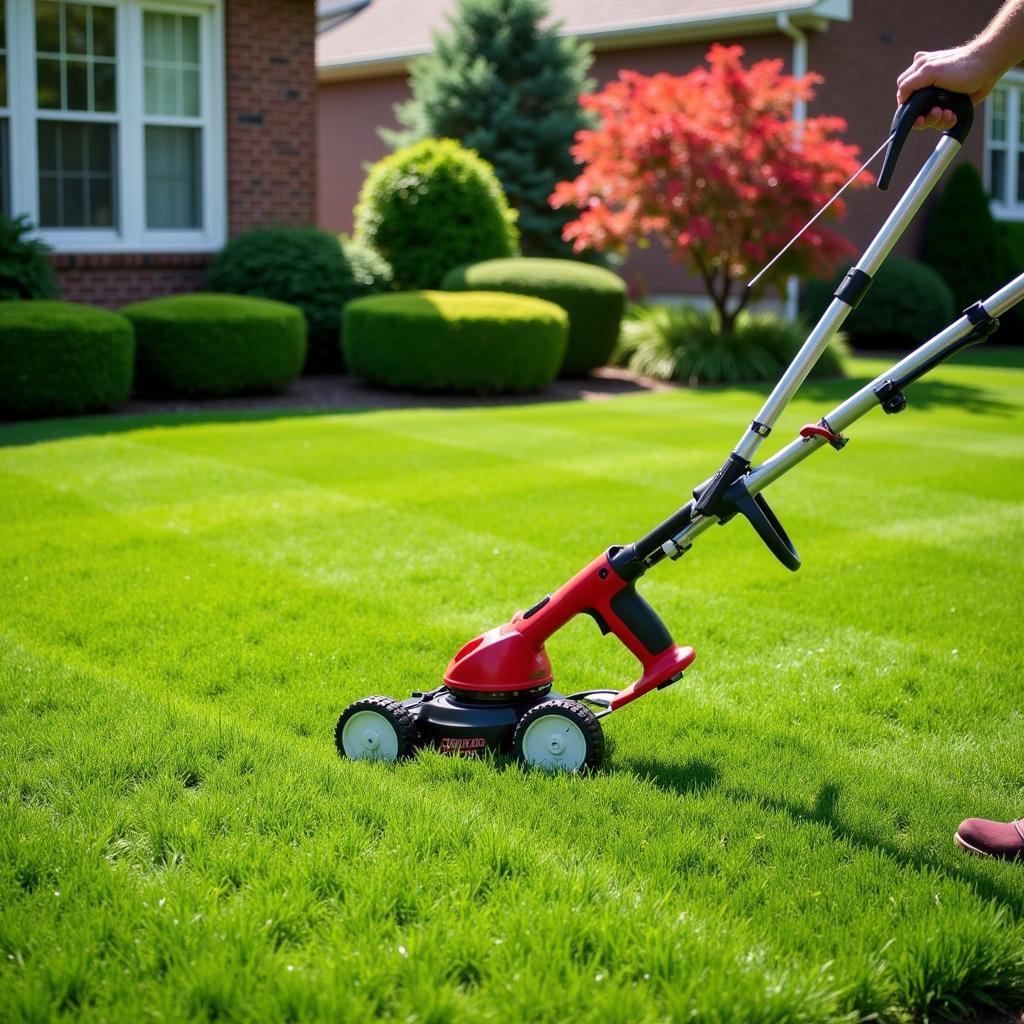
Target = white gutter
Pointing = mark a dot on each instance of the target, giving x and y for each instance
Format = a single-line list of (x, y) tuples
[(799, 37)]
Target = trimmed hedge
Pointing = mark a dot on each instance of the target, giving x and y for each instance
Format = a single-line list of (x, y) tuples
[(309, 268), (212, 345), (907, 303), (60, 358), (481, 342), (433, 206), (594, 298)]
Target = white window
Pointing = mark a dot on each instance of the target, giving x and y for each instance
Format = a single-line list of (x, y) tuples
[(5, 146), (1004, 147), (114, 116)]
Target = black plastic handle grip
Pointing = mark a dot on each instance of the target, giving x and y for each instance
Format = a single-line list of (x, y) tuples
[(919, 104), (762, 518), (641, 620)]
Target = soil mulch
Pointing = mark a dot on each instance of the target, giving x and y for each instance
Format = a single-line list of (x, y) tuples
[(329, 392)]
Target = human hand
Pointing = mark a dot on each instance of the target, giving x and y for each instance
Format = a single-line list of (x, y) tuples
[(962, 69)]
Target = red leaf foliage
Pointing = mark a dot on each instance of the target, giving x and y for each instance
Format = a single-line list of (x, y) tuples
[(713, 165)]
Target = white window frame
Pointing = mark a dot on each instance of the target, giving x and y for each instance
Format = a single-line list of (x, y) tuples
[(131, 233), (1007, 206), (6, 201)]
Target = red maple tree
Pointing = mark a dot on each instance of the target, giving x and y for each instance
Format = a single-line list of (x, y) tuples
[(713, 165)]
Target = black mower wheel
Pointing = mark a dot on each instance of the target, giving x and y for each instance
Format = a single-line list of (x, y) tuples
[(559, 736), (375, 729)]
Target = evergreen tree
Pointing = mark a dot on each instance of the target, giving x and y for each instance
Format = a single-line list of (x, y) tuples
[(506, 86), (962, 241)]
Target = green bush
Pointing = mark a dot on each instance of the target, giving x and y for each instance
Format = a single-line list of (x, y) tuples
[(482, 342), (25, 271), (907, 303), (431, 207), (208, 344), (962, 240), (593, 297), (684, 344), (311, 269), (59, 358)]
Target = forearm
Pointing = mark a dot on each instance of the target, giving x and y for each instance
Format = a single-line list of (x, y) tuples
[(1001, 43)]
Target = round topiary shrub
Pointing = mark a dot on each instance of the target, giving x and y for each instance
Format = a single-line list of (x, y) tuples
[(59, 358), (312, 269), (210, 345), (431, 207), (907, 303), (481, 342), (593, 297)]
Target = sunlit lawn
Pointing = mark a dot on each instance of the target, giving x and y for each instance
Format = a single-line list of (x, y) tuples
[(188, 606)]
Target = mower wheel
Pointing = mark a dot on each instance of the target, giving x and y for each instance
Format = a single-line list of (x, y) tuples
[(559, 736), (375, 729)]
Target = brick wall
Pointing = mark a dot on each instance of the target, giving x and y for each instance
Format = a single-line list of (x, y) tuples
[(270, 84)]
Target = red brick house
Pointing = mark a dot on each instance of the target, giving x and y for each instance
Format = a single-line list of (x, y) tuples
[(364, 48), (139, 136)]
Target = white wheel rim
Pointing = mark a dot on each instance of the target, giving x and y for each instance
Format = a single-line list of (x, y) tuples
[(554, 743), (369, 736)]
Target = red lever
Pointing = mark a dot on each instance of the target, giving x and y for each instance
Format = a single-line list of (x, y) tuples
[(821, 430)]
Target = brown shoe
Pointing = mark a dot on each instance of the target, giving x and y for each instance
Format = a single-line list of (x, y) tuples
[(992, 838)]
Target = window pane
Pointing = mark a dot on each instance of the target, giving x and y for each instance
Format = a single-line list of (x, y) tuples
[(996, 173), (1020, 177), (997, 115), (76, 67), (76, 28), (77, 97), (76, 177), (189, 41), (173, 197), (103, 32), (190, 93), (104, 84), (5, 203), (47, 27), (48, 81), (171, 59), (3, 79)]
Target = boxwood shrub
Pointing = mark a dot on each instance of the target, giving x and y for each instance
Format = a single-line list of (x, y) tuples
[(25, 270), (59, 358), (907, 303), (433, 206), (481, 342), (212, 345), (312, 269), (593, 297)]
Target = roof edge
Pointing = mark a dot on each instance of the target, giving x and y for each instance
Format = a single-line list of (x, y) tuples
[(642, 33)]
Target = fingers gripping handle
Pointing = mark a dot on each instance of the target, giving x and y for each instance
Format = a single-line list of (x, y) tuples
[(923, 101)]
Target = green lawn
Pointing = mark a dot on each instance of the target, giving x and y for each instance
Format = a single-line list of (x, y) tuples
[(188, 606)]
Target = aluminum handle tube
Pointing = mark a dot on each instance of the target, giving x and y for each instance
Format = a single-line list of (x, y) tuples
[(888, 235), (856, 406)]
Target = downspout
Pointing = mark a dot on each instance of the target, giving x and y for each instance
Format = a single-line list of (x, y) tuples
[(799, 37)]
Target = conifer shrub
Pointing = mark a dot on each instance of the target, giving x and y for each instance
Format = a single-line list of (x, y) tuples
[(506, 83), (479, 342), (431, 207), (907, 303), (25, 271), (61, 358), (962, 240), (210, 345), (593, 298), (312, 269)]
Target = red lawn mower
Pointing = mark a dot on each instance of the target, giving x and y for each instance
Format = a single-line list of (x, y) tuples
[(497, 692)]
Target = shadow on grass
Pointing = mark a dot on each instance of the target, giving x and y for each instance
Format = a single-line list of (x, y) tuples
[(696, 777), (309, 396)]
